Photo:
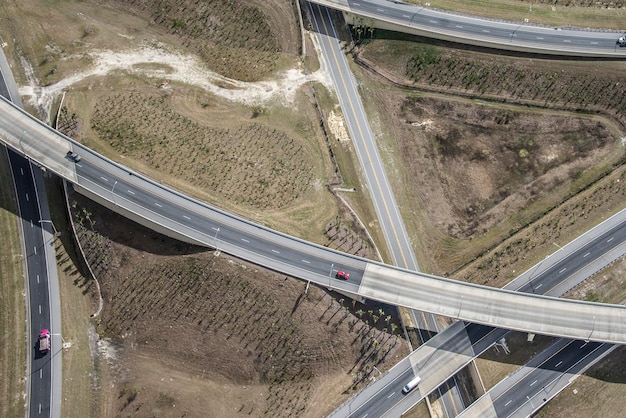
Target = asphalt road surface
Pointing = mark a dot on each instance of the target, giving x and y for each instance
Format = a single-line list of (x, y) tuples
[(518, 36), (450, 342)]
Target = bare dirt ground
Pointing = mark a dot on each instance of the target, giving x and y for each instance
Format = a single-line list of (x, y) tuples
[(480, 170), (189, 332)]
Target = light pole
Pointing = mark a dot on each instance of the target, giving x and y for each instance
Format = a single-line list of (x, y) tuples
[(113, 192), (530, 279), (56, 233), (217, 251), (560, 248), (21, 143)]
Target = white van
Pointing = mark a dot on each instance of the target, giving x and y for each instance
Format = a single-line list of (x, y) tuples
[(411, 385)]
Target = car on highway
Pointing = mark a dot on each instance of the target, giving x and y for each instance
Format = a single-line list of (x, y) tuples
[(411, 385), (621, 41), (342, 275), (73, 156), (44, 341)]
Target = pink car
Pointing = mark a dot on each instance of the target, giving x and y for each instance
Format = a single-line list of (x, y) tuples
[(342, 275), (44, 341)]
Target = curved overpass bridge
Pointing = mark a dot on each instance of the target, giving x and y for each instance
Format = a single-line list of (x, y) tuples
[(179, 216), (511, 36)]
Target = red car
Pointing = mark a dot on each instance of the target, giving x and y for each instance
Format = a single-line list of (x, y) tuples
[(342, 275), (44, 341)]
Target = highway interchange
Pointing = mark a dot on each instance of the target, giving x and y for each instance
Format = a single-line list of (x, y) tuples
[(225, 237), (381, 193), (168, 210)]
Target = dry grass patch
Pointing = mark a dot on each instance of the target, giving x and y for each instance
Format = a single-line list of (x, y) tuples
[(469, 173), (566, 13), (267, 162), (240, 40)]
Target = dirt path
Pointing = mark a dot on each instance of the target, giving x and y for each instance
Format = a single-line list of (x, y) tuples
[(158, 62)]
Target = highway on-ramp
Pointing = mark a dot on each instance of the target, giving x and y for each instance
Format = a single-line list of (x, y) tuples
[(511, 36), (378, 186)]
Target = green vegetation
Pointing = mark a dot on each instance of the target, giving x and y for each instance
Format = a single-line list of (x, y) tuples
[(568, 88)]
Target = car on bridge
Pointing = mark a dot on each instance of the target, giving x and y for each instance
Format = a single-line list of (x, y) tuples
[(621, 41), (73, 156), (342, 275), (44, 341)]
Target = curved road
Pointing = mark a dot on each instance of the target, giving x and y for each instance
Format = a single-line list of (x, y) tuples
[(471, 30), (194, 221)]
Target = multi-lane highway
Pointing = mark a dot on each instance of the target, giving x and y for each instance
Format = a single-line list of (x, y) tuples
[(511, 36), (43, 369), (446, 350), (223, 236), (168, 210), (378, 185), (537, 382)]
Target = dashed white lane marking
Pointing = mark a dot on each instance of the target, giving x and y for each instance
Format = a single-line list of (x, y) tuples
[(214, 228), (37, 278), (244, 240), (610, 239), (35, 248), (393, 393), (158, 204), (27, 198), (533, 383), (539, 285), (562, 270), (41, 373), (277, 252), (306, 261), (104, 178), (508, 403), (39, 309), (586, 255), (130, 191), (22, 171), (558, 364), (186, 217)]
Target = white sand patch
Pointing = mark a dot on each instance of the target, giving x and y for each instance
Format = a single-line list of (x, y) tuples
[(182, 68)]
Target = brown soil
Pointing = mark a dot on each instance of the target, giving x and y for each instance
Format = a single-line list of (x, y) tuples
[(479, 170), (189, 332)]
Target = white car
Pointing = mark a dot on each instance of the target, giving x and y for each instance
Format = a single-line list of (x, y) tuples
[(73, 156)]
